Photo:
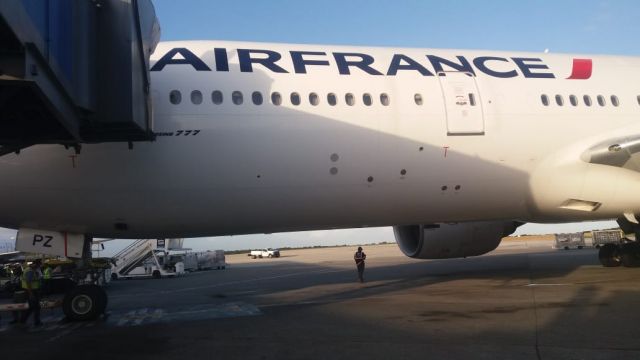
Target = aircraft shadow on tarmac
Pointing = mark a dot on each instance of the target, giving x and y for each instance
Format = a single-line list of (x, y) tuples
[(526, 305), (555, 304)]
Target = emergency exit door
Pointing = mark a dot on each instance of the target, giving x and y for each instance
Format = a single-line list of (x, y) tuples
[(462, 103)]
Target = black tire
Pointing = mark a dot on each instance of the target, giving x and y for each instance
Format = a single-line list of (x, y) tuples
[(630, 254), (254, 257), (566, 248), (156, 274), (270, 256), (609, 255), (84, 302), (114, 276)]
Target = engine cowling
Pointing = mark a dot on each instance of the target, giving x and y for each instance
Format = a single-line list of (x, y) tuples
[(446, 241)]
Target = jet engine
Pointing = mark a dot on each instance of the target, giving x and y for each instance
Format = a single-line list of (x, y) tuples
[(446, 241)]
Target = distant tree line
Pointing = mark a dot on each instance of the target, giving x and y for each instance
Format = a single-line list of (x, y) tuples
[(245, 251)]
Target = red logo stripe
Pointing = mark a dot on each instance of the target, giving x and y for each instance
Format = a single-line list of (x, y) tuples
[(581, 69)]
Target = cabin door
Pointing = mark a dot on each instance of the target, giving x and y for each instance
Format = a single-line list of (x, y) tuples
[(462, 103)]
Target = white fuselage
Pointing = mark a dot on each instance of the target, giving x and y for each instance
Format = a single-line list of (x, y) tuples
[(221, 169)]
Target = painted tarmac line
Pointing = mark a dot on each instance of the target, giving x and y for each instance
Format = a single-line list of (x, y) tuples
[(166, 292), (146, 316)]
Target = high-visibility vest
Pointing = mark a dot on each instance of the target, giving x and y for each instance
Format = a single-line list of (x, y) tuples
[(47, 273), (35, 279)]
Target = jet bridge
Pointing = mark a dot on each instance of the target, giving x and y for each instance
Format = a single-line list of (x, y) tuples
[(75, 72)]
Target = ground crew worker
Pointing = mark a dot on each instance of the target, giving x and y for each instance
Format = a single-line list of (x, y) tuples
[(359, 257), (46, 280), (31, 284), (18, 293)]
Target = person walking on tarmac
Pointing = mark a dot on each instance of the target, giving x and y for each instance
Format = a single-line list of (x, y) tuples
[(359, 257), (31, 284)]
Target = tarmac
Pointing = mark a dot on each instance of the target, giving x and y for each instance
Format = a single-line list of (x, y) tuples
[(522, 301)]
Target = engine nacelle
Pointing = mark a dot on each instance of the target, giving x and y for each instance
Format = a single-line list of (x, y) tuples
[(446, 241)]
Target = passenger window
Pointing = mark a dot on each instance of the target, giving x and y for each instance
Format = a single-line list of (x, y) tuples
[(614, 100), (314, 99), (175, 97), (366, 99), (257, 98), (236, 97), (384, 99), (544, 99), (295, 98), (350, 99), (601, 100), (587, 100), (332, 99), (559, 100), (196, 97), (573, 100), (216, 97), (418, 99), (276, 99)]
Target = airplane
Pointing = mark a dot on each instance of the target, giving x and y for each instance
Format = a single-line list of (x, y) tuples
[(7, 251), (453, 148)]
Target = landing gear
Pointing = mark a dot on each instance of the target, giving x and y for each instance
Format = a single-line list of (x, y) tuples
[(609, 255), (84, 302), (626, 254), (630, 254)]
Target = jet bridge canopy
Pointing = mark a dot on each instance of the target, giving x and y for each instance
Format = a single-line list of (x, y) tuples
[(74, 72)]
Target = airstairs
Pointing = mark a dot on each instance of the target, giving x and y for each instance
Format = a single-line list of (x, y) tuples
[(141, 253)]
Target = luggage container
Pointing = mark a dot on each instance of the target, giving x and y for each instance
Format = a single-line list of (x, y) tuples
[(569, 241)]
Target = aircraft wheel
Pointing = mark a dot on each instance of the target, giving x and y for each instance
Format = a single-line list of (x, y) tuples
[(114, 276), (609, 255), (630, 254), (84, 302), (156, 274)]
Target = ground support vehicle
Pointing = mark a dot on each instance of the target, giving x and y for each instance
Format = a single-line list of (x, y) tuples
[(144, 258), (268, 253), (76, 290)]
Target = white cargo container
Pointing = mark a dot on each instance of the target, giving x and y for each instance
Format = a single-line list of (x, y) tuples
[(204, 260), (569, 241), (212, 259), (601, 237)]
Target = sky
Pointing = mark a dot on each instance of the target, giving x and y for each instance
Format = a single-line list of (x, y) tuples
[(561, 26)]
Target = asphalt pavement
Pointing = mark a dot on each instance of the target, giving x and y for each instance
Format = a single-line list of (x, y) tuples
[(522, 301)]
